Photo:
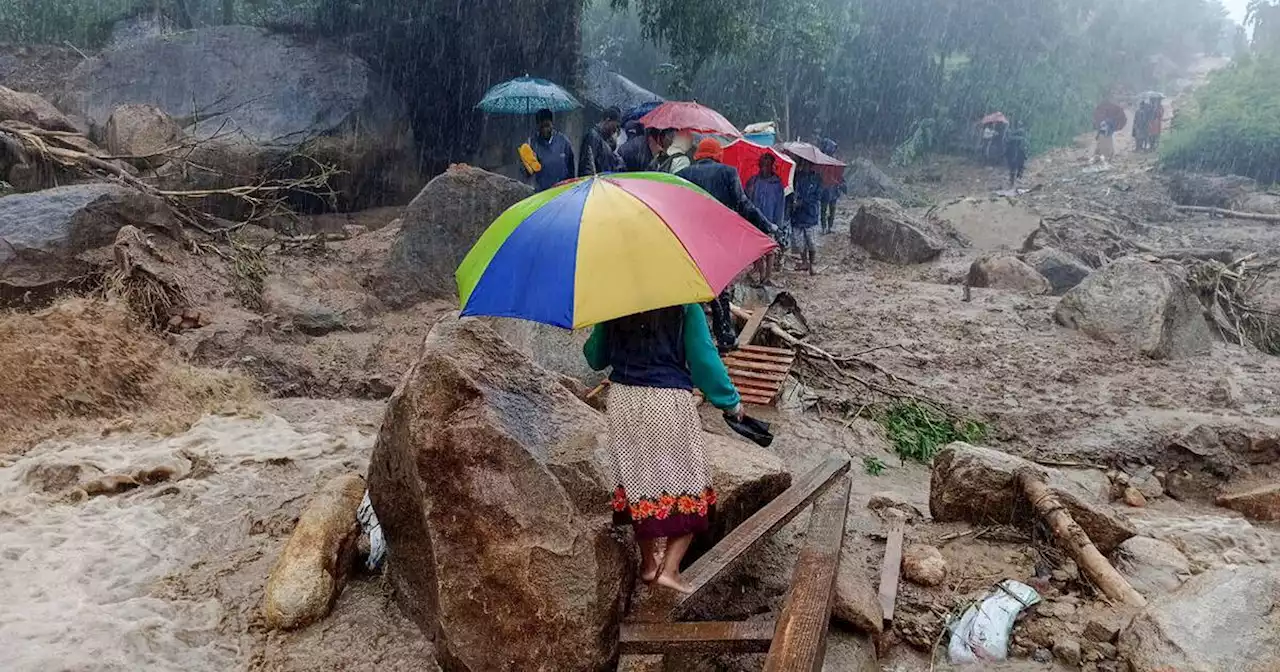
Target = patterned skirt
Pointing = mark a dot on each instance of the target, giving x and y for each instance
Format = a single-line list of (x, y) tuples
[(655, 442)]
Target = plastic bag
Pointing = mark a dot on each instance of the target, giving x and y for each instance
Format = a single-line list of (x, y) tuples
[(982, 632), (370, 526)]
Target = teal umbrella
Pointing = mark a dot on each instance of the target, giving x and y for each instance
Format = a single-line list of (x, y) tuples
[(526, 95)]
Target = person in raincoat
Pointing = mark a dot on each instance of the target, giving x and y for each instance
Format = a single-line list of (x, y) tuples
[(597, 154), (637, 152), (662, 484), (1142, 125), (723, 183), (1155, 125), (552, 154), (766, 192), (1015, 153), (806, 213)]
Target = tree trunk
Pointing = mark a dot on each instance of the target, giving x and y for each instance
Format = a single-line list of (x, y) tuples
[(1076, 542), (228, 12)]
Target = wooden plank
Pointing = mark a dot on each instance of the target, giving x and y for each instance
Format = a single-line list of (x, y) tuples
[(753, 400), (762, 386), (758, 375), (800, 642), (666, 605), (762, 357), (759, 366), (752, 326), (697, 637), (890, 570), (768, 350)]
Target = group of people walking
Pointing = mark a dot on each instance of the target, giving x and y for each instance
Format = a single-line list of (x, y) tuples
[(1148, 123), (657, 358)]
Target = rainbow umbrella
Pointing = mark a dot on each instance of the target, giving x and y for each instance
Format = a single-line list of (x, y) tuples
[(598, 248)]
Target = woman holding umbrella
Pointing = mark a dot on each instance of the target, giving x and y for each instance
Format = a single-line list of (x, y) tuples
[(635, 255)]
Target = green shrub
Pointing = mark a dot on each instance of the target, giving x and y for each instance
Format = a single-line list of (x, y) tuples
[(918, 431), (1233, 125)]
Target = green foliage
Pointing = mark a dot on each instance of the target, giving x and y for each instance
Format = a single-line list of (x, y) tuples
[(1234, 124), (918, 432), (84, 23), (874, 466)]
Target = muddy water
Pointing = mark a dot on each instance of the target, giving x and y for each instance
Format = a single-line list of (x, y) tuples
[(165, 576)]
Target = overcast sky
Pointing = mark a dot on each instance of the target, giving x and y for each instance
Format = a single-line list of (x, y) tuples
[(1236, 7)]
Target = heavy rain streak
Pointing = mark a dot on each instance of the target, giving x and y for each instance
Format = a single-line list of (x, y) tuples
[(639, 335)]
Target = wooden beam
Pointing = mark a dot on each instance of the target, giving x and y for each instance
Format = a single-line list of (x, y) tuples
[(800, 642), (749, 331), (890, 571), (658, 605), (697, 637)]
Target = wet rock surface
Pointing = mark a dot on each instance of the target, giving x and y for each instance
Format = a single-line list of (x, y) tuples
[(1139, 304), (1224, 619), (1062, 269), (1007, 272), (890, 234)]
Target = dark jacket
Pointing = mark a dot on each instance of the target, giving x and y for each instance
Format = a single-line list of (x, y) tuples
[(635, 154), (668, 348), (597, 155), (1015, 148), (723, 183), (556, 157), (769, 196), (806, 204)]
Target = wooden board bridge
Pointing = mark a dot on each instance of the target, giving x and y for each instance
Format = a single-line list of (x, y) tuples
[(797, 640)]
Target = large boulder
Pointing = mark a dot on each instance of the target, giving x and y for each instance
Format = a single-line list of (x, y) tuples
[(865, 180), (30, 108), (1214, 191), (1258, 503), (142, 131), (552, 348), (438, 229), (496, 512), (43, 234), (978, 485), (490, 481), (1141, 305), (256, 101), (891, 234), (1225, 619), (1062, 269), (316, 304), (1003, 271)]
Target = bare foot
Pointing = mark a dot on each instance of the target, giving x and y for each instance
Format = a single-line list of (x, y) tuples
[(674, 583), (648, 574)]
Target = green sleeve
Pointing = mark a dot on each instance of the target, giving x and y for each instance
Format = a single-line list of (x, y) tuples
[(708, 371), (596, 349)]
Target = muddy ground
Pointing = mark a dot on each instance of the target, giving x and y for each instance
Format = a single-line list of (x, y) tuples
[(170, 575)]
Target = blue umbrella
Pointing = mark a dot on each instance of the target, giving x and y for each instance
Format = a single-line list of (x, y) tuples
[(526, 95)]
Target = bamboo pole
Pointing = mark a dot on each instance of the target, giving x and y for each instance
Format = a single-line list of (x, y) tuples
[(1233, 214), (1076, 542)]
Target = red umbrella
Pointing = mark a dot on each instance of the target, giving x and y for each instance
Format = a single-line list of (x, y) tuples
[(688, 116), (745, 156), (830, 168), (1109, 111), (995, 118)]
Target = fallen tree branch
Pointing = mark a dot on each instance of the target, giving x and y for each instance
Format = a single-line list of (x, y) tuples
[(1075, 541), (1232, 214)]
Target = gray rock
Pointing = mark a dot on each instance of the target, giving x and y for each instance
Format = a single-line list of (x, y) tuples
[(1067, 651), (30, 108), (1224, 619), (43, 233), (1210, 541), (552, 348), (1153, 567), (890, 234), (1145, 306), (142, 131), (1007, 272), (438, 229), (1063, 270), (1215, 191), (256, 99), (924, 565), (865, 180), (977, 485)]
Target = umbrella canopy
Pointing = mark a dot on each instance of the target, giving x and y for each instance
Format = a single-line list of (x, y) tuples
[(598, 248), (995, 118), (1110, 112), (637, 112), (745, 156), (687, 116), (526, 95), (1152, 95), (830, 168)]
